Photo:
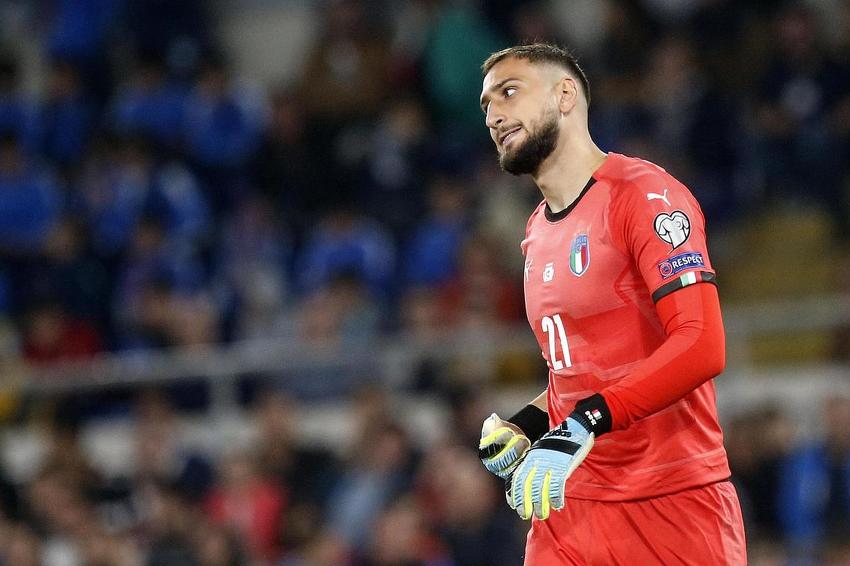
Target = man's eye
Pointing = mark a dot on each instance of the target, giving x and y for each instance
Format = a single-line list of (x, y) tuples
[(510, 91)]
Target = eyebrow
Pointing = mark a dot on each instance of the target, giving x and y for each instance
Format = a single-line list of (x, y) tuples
[(484, 98)]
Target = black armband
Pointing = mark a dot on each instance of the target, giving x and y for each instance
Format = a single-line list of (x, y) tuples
[(594, 414), (532, 420)]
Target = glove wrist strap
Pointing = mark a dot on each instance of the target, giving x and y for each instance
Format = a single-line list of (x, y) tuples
[(593, 414), (533, 421)]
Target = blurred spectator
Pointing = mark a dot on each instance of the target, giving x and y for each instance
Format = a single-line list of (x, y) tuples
[(30, 201), (346, 243), (150, 104), (392, 188), (73, 275), (55, 335), (757, 445), (176, 31), (287, 169), (67, 116), (171, 526), (482, 293), (19, 116), (459, 41), (379, 465), (467, 505), (342, 314), (305, 472), (814, 493), (346, 73), (20, 546), (61, 514), (219, 546), (160, 299), (799, 90), (161, 456), (433, 252), (224, 124), (250, 504), (401, 537), (123, 186), (251, 268)]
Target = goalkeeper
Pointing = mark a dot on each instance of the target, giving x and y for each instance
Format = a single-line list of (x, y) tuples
[(620, 460)]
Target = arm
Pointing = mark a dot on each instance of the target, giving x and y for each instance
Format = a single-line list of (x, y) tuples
[(693, 353)]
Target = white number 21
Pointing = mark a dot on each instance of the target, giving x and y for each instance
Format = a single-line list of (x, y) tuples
[(549, 325)]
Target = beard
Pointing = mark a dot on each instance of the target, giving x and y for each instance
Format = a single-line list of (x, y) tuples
[(526, 158)]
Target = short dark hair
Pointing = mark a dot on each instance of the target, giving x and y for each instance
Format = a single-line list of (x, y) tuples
[(541, 53)]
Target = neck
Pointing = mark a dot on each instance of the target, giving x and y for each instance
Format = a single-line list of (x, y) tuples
[(563, 175)]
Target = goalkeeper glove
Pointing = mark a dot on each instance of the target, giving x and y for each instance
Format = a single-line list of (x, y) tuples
[(503, 443), (537, 483)]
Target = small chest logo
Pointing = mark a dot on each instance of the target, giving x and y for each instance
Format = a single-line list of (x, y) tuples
[(548, 272), (528, 263), (580, 255)]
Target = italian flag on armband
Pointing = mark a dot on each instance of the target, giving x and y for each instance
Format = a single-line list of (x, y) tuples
[(688, 278)]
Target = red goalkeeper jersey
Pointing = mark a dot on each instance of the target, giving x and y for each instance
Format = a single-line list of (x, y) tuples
[(593, 273)]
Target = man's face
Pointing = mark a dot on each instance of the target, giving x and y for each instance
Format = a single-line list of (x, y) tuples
[(518, 99)]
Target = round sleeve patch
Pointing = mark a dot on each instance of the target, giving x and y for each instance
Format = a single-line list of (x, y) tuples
[(673, 228)]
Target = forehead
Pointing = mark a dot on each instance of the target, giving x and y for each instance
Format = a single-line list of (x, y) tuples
[(511, 68)]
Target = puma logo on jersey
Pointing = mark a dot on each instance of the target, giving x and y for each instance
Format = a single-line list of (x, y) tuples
[(549, 272), (653, 196), (528, 263)]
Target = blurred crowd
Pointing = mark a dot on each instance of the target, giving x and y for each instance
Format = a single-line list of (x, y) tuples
[(379, 496), (153, 196), (384, 499)]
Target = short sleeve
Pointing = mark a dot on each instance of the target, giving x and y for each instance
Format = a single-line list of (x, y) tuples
[(660, 224)]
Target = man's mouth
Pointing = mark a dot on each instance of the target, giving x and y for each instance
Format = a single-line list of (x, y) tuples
[(508, 136)]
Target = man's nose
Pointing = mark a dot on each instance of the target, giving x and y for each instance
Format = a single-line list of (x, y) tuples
[(494, 117)]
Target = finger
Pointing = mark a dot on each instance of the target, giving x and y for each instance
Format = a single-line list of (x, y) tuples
[(556, 491), (541, 497), (524, 507), (502, 450), (515, 487)]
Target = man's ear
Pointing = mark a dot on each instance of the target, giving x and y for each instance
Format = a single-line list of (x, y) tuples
[(567, 94)]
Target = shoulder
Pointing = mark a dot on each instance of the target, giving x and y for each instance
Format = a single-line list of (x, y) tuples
[(537, 214), (632, 177)]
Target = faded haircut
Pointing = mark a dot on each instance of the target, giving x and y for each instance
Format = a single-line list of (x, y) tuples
[(541, 53)]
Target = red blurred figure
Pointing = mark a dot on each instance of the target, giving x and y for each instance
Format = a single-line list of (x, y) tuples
[(250, 504)]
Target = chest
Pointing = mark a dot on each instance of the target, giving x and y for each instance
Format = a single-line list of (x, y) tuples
[(574, 268)]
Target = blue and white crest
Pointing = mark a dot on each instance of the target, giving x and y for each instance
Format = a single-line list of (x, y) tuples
[(580, 255)]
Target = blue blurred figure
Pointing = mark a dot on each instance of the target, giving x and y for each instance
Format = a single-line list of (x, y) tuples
[(223, 128), (30, 202), (814, 494), (67, 116), (344, 242), (19, 114), (431, 257), (150, 104), (121, 186)]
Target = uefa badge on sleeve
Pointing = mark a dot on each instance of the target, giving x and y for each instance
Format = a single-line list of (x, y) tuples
[(579, 255)]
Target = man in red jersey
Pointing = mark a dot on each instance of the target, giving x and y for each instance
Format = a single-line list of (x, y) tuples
[(621, 459)]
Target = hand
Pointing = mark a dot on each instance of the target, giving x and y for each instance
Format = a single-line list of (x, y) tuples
[(502, 446), (537, 484)]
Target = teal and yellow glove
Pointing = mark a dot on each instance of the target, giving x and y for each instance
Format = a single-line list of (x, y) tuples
[(502, 446), (537, 483)]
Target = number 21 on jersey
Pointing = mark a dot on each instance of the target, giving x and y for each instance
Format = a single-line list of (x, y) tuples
[(550, 325)]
